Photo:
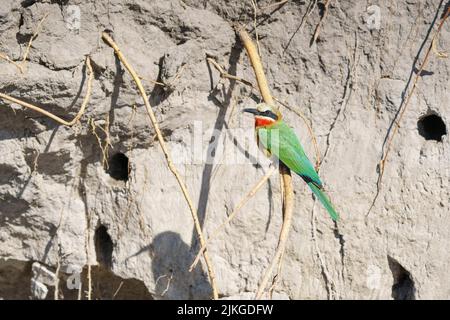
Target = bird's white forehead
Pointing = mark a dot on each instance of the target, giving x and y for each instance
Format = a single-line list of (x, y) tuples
[(263, 107)]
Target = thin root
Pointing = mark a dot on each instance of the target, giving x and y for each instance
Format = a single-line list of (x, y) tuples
[(241, 203), (51, 115), (165, 150)]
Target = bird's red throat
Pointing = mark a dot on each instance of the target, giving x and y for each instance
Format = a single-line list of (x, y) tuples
[(263, 121)]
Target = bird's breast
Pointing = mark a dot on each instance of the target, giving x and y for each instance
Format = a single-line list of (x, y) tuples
[(262, 122)]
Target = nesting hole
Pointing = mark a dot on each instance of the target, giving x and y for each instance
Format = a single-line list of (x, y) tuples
[(432, 127), (403, 287), (119, 167), (103, 246)]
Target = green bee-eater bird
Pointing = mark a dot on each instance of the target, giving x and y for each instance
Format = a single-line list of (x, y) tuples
[(277, 138)]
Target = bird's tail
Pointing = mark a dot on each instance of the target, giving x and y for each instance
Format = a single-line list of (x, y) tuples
[(324, 200)]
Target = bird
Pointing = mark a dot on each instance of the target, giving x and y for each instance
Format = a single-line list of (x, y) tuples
[(277, 138)]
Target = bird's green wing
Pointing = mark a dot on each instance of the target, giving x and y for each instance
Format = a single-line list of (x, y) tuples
[(282, 141)]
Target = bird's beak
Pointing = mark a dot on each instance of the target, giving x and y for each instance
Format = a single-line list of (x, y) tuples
[(250, 110)]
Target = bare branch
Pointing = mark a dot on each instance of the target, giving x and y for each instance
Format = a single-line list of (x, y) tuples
[(170, 164), (51, 115)]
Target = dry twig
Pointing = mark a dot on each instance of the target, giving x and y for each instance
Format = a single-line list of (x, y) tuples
[(440, 54), (329, 283), (309, 10), (51, 115), (58, 269), (170, 164), (107, 140), (117, 291), (241, 203), (288, 198), (280, 3), (36, 32), (8, 59), (406, 101), (288, 206), (22, 63)]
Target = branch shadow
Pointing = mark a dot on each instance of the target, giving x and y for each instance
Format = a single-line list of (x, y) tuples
[(218, 127), (171, 259)]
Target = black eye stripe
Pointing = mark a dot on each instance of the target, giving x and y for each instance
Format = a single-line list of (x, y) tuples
[(270, 114)]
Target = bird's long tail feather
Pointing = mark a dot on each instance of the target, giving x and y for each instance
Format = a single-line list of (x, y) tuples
[(324, 200)]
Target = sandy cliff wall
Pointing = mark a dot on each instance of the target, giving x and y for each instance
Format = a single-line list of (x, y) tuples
[(62, 205)]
